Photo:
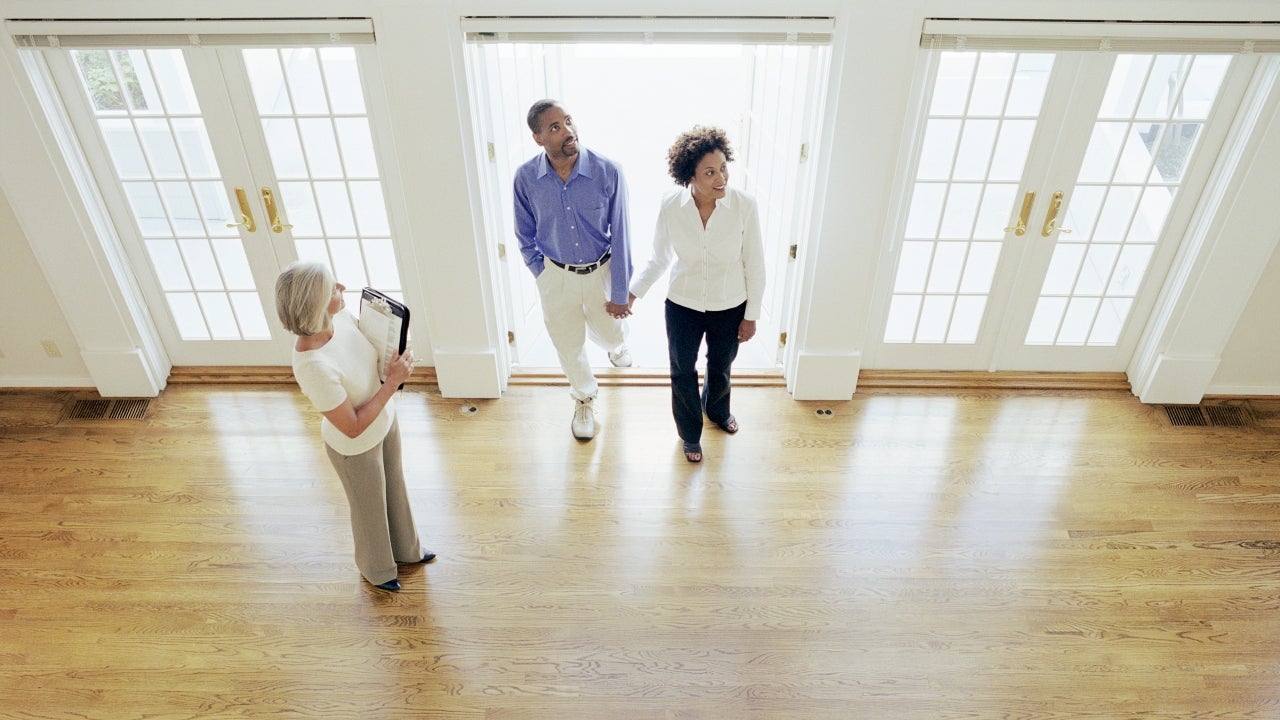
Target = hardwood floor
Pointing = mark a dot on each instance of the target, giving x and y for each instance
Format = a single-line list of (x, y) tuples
[(916, 554)]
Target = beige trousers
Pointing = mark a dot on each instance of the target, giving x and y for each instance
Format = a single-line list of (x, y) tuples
[(573, 309), (381, 519)]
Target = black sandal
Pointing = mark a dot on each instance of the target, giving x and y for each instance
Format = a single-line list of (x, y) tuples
[(730, 425), (693, 452)]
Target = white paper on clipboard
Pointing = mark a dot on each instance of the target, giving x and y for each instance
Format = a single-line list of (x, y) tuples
[(385, 322)]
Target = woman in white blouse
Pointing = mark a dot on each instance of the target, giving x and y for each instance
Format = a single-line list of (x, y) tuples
[(712, 232)]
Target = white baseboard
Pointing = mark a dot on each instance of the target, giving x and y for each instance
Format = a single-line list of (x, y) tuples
[(1175, 379), (468, 374), (123, 373), (60, 382), (1243, 390), (825, 376)]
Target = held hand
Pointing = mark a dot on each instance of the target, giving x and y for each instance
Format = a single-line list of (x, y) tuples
[(400, 368), (616, 310), (746, 330), (631, 300)]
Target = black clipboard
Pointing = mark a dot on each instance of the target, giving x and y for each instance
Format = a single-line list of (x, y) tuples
[(385, 322)]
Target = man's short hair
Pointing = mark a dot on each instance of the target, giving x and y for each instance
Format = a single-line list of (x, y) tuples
[(535, 113)]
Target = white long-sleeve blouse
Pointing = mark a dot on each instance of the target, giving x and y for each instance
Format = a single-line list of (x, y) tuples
[(716, 267)]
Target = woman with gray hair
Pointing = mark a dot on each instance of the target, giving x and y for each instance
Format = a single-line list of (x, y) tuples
[(337, 369)]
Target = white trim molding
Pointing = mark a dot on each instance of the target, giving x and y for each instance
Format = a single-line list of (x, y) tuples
[(1100, 36), (473, 374), (1244, 390), (542, 29), (55, 200), (124, 373), (1230, 239), (180, 33), (825, 376), (1180, 380)]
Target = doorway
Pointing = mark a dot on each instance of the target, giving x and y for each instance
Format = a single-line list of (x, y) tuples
[(629, 103)]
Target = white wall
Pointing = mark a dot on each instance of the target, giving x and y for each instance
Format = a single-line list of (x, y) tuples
[(30, 315), (421, 53), (1251, 361)]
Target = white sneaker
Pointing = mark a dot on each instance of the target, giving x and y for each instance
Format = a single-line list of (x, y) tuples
[(584, 420), (622, 358)]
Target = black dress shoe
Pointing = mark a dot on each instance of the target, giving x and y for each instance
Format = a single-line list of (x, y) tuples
[(428, 557), (390, 585)]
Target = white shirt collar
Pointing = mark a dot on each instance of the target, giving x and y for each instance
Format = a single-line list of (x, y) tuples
[(686, 198)]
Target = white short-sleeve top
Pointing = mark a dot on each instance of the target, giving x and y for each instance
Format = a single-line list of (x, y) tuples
[(344, 368)]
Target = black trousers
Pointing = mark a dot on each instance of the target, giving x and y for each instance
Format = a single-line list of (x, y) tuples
[(685, 330)]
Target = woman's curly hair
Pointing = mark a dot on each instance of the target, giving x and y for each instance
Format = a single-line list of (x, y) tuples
[(692, 146)]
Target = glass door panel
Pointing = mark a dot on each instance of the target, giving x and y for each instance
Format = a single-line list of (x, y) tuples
[(149, 119), (315, 125), (978, 133), (1145, 133)]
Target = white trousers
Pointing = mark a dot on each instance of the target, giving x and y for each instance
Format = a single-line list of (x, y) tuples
[(573, 309)]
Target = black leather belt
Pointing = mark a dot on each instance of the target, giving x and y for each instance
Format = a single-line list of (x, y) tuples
[(583, 269)]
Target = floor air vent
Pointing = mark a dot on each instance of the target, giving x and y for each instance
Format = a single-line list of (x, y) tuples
[(1228, 416), (1206, 415), (132, 409), (106, 409)]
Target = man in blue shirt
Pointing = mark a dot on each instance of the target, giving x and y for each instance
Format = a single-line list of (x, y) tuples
[(572, 222)]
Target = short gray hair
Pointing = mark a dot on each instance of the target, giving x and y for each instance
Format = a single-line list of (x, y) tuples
[(535, 113), (303, 291)]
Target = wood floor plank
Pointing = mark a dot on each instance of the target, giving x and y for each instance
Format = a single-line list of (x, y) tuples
[(915, 553)]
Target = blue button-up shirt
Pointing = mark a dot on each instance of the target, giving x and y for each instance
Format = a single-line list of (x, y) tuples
[(575, 221)]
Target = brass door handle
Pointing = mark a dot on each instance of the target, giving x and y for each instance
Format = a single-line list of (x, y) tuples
[(246, 212), (273, 215), (1051, 217), (1021, 228)]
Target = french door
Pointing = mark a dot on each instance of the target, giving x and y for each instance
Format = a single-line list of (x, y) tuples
[(507, 79), (1044, 204), (220, 165)]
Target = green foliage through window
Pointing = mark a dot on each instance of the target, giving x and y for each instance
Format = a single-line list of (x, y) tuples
[(104, 87)]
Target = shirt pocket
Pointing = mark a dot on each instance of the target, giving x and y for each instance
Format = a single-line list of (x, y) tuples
[(594, 210)]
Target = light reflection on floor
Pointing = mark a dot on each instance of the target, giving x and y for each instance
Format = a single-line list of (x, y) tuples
[(941, 494), (907, 479)]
